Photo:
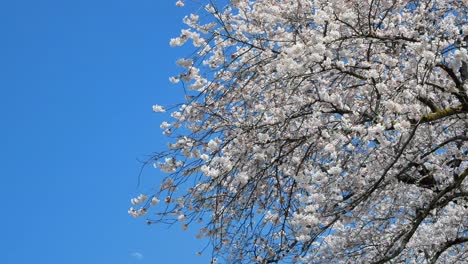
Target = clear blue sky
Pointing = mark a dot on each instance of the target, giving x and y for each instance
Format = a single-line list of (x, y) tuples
[(77, 82)]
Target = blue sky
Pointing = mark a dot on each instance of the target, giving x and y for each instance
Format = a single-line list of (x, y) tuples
[(77, 82)]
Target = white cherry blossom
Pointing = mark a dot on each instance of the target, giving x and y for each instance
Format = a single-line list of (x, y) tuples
[(322, 131)]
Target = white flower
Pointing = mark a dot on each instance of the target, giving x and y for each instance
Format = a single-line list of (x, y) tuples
[(142, 211), (377, 129), (329, 147), (340, 65), (137, 213), (334, 170), (141, 198), (132, 212), (167, 132), (179, 3), (243, 178), (212, 145), (181, 217), (158, 109), (405, 124), (174, 80), (303, 238), (164, 125), (394, 107), (176, 115), (263, 138), (154, 201), (176, 42), (186, 63)]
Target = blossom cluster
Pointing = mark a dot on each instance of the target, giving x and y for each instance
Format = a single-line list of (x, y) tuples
[(322, 131)]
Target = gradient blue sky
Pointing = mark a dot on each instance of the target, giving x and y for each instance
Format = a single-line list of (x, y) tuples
[(77, 82)]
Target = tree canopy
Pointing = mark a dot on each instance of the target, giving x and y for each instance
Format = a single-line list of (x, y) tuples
[(320, 131)]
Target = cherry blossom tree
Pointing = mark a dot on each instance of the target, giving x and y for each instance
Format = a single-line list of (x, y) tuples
[(320, 131)]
